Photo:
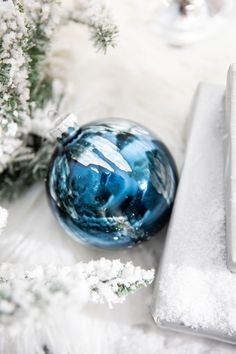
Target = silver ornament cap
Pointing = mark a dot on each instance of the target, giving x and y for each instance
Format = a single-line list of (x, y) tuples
[(62, 125)]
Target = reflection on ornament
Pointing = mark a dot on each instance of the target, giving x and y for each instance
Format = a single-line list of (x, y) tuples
[(187, 21), (111, 183)]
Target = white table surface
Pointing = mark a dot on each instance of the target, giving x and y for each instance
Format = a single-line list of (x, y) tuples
[(145, 80)]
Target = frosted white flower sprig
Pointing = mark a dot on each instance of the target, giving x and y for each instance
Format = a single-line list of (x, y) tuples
[(24, 294)]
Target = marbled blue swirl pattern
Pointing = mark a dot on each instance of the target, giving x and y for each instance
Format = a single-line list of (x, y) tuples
[(111, 183)]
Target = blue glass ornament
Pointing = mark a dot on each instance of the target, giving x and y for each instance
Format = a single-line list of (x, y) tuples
[(111, 183)]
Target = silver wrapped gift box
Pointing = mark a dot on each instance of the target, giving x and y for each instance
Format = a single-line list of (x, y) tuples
[(195, 291)]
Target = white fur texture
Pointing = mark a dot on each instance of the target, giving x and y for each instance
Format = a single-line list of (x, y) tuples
[(144, 80)]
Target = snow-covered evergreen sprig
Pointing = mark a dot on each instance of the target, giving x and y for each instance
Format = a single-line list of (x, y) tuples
[(14, 90), (26, 293), (96, 16), (27, 87), (27, 28)]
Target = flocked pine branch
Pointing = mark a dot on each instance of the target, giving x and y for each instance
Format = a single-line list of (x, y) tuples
[(27, 28), (14, 90), (42, 17), (24, 294), (30, 165), (28, 296), (96, 16)]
